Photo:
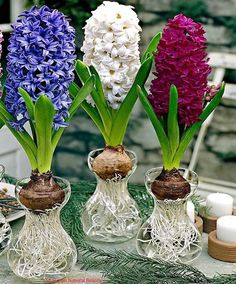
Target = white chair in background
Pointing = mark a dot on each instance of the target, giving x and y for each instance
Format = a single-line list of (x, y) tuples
[(12, 156), (220, 62)]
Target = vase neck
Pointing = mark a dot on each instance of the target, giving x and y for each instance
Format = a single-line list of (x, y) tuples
[(116, 188), (35, 217)]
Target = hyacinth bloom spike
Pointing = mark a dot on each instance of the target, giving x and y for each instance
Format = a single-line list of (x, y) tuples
[(181, 60), (178, 101), (1, 40), (111, 46), (40, 69), (111, 53), (1, 73), (41, 61)]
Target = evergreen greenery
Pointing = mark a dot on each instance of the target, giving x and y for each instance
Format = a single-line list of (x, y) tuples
[(200, 209), (196, 9), (77, 10)]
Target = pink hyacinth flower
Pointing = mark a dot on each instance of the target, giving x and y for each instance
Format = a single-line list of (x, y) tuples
[(181, 60)]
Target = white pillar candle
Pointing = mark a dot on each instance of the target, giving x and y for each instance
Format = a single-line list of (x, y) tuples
[(226, 229), (220, 204), (191, 211)]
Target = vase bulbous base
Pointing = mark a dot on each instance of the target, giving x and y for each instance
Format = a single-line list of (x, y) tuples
[(111, 215)]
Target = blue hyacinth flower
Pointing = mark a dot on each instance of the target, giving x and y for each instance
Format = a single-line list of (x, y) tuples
[(41, 61)]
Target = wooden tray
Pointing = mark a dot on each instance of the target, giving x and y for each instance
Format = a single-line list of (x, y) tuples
[(199, 224), (221, 250), (209, 223)]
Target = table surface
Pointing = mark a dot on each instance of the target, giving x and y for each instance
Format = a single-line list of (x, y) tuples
[(204, 263)]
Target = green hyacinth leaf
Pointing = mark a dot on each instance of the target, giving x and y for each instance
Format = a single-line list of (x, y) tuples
[(28, 103), (192, 130), (161, 135), (89, 109), (99, 87), (23, 134), (152, 47), (172, 119), (44, 115), (23, 139), (81, 95), (84, 73), (121, 117), (213, 104), (78, 95), (1, 124), (73, 90)]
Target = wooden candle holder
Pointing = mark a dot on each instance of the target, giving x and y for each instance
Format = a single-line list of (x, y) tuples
[(221, 250), (209, 223), (199, 224)]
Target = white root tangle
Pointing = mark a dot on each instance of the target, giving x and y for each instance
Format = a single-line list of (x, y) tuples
[(42, 250), (5, 234), (111, 214), (169, 234)]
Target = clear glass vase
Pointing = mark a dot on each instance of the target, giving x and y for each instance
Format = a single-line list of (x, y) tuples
[(169, 234), (111, 214), (2, 172), (5, 234), (5, 228), (43, 252)]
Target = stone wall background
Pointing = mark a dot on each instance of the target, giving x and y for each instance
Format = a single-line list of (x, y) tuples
[(218, 154)]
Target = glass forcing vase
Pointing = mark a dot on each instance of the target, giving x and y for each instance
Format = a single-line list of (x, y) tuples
[(2, 172), (169, 234), (5, 234), (5, 228), (43, 252), (111, 214)]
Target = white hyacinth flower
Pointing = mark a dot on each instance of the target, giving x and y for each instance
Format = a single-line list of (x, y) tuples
[(111, 46)]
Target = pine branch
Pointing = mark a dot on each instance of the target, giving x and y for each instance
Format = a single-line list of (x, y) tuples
[(119, 265), (143, 199), (70, 216), (9, 179), (200, 209), (224, 279)]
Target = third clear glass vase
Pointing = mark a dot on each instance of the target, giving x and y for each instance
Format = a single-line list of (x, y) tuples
[(169, 234), (111, 214)]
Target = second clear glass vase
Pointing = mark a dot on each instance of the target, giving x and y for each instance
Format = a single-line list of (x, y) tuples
[(169, 234), (111, 214)]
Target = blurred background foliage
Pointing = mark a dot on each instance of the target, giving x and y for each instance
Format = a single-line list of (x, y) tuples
[(77, 10), (194, 9), (4, 6)]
